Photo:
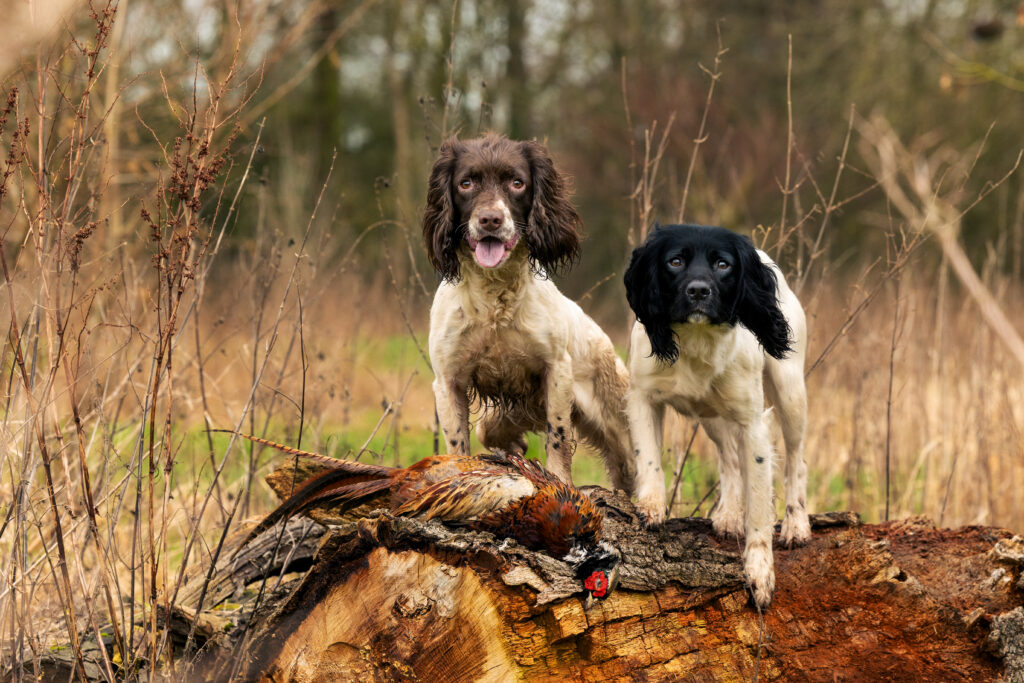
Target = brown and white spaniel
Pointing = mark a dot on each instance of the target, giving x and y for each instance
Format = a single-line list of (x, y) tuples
[(498, 221)]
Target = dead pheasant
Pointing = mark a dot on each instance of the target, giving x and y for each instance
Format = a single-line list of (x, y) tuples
[(496, 492)]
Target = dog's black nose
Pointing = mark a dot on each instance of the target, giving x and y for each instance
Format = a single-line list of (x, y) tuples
[(490, 220), (698, 290)]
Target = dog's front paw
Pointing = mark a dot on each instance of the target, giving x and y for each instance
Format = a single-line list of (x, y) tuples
[(760, 577), (796, 528), (762, 592), (727, 521), (653, 510)]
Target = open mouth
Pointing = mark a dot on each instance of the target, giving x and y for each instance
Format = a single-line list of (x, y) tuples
[(491, 251)]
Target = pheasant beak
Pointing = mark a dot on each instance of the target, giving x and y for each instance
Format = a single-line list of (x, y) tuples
[(599, 573)]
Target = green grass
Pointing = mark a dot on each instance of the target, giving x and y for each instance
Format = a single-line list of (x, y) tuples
[(398, 355), (392, 353), (699, 475)]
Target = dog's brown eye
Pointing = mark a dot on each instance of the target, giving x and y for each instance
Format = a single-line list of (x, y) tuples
[(518, 184), (722, 264), (676, 262), (465, 184)]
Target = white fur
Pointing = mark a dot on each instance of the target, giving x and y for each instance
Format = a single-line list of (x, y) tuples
[(719, 379), (509, 331)]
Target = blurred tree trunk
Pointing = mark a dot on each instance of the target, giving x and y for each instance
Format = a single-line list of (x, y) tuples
[(326, 108), (517, 86), (617, 34), (398, 88), (437, 82), (111, 198)]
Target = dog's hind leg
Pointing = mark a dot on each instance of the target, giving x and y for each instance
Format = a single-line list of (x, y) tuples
[(600, 418), (612, 442)]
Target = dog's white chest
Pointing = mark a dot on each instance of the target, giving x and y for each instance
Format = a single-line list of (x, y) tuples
[(707, 379), (690, 390)]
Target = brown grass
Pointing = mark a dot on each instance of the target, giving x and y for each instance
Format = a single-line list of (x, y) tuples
[(956, 413)]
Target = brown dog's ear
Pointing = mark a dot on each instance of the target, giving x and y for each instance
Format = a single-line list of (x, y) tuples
[(441, 232), (554, 228)]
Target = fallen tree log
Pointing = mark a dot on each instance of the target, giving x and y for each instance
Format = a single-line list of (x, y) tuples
[(396, 599)]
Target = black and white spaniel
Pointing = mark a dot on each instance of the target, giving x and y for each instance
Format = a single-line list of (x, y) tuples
[(717, 328), (497, 220)]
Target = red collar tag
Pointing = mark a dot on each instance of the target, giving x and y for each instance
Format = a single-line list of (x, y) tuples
[(597, 584)]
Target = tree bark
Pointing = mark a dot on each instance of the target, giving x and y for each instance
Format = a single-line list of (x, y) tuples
[(389, 599)]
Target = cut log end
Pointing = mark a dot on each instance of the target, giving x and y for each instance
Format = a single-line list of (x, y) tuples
[(396, 599), (405, 600)]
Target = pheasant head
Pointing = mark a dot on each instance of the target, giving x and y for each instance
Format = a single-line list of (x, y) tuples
[(597, 567)]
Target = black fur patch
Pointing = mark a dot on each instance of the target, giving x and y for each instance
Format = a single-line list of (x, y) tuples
[(738, 287)]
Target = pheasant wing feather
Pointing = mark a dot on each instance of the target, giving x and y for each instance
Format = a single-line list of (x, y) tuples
[(337, 486), (467, 497)]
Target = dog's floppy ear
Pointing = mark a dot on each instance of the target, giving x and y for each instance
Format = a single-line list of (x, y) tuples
[(643, 291), (441, 234), (757, 303), (554, 228)]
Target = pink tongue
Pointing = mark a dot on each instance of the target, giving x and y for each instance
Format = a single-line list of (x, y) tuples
[(489, 252)]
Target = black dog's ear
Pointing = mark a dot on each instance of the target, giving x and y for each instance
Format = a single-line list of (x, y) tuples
[(554, 228), (643, 291), (441, 234), (757, 303)]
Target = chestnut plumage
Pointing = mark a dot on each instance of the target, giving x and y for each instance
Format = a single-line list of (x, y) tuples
[(500, 493)]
